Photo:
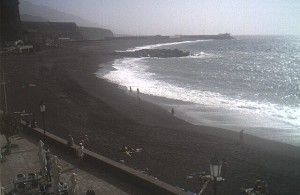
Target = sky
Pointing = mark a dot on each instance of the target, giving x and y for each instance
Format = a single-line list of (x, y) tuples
[(174, 17)]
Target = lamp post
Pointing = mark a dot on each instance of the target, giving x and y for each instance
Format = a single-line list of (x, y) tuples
[(215, 171), (43, 109)]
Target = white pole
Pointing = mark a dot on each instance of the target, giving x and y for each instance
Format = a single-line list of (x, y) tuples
[(204, 187), (0, 91), (5, 100)]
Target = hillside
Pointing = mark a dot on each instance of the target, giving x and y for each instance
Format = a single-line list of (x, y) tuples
[(55, 23), (27, 17), (54, 29), (50, 14)]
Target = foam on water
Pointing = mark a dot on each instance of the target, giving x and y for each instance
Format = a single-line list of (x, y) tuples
[(160, 45), (133, 72), (201, 55), (250, 83)]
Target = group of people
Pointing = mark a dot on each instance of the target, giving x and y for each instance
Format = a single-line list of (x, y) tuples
[(82, 145), (32, 123), (138, 94), (260, 188), (137, 90), (83, 142), (50, 169), (129, 150)]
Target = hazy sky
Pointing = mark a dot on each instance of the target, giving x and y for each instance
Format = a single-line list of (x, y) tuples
[(168, 17)]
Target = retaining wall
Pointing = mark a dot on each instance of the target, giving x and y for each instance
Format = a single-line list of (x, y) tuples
[(149, 183)]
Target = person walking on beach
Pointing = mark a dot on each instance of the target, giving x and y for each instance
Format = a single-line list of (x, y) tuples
[(130, 89), (80, 152), (138, 91), (172, 112), (241, 136)]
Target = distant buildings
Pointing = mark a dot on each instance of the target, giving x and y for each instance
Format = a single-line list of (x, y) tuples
[(33, 37)]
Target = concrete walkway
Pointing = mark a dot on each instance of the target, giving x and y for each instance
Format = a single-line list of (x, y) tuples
[(24, 159)]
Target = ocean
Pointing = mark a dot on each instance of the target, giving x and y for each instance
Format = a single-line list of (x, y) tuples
[(250, 83)]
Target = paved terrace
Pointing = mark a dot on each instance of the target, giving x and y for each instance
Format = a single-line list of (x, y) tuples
[(24, 159)]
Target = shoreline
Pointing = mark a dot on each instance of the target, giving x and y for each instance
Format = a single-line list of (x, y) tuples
[(217, 131), (210, 116), (80, 103)]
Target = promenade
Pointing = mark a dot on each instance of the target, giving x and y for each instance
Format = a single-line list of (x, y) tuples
[(24, 159)]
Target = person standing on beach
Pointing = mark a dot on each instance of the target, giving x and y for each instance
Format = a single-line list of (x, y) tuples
[(49, 170), (172, 112), (241, 136), (73, 186), (130, 89), (80, 152), (86, 141), (70, 140), (138, 96)]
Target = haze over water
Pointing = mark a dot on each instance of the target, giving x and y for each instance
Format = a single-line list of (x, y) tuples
[(251, 83), (169, 17)]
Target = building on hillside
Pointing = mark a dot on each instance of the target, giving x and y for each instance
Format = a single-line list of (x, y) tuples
[(33, 37)]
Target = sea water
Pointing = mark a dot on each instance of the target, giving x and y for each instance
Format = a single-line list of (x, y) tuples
[(250, 83)]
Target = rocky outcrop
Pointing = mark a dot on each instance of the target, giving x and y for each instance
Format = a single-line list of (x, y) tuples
[(93, 33), (160, 53)]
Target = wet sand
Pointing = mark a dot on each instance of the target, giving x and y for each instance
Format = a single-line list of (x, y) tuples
[(79, 103)]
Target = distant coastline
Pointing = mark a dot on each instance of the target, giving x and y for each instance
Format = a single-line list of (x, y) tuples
[(225, 36)]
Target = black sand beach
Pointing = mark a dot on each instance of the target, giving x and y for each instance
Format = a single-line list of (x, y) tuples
[(79, 103)]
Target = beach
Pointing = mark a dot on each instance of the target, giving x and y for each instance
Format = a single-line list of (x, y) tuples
[(78, 103)]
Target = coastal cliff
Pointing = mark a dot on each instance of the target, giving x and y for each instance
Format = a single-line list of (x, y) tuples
[(93, 33)]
